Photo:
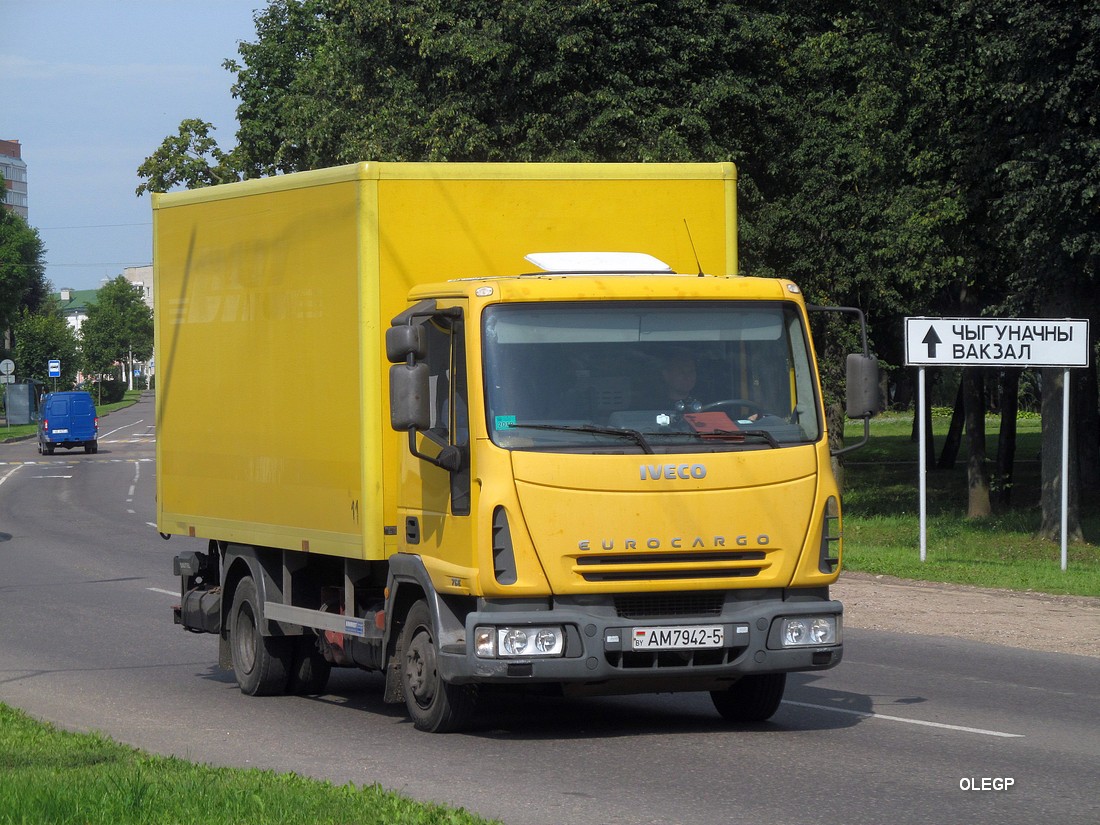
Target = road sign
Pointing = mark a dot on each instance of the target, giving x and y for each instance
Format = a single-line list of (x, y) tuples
[(54, 368), (7, 367), (1002, 342)]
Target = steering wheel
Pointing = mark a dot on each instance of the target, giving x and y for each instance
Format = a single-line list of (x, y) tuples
[(737, 403)]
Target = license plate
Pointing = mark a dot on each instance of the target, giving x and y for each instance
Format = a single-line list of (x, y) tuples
[(59, 432), (686, 637)]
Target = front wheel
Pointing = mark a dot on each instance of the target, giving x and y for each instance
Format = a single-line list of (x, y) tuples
[(260, 663), (751, 699), (434, 705)]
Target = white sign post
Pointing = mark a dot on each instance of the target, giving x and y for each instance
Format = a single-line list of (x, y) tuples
[(995, 342)]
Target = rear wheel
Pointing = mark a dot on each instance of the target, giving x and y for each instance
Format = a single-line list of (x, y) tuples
[(260, 663), (434, 705), (752, 699)]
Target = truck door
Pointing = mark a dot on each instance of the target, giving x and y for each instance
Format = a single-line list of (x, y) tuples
[(434, 502)]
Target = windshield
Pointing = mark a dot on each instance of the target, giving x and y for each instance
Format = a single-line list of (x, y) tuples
[(648, 376)]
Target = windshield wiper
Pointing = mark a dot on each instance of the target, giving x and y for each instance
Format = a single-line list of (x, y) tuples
[(621, 432)]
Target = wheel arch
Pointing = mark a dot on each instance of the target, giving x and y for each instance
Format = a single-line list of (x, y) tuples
[(409, 582), (263, 566)]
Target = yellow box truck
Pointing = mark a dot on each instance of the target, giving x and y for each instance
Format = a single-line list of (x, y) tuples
[(493, 424)]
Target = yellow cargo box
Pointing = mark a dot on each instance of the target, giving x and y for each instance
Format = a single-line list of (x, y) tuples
[(273, 297)]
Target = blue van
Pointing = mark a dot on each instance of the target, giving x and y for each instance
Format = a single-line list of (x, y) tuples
[(68, 419)]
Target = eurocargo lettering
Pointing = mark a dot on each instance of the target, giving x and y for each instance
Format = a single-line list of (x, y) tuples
[(410, 409)]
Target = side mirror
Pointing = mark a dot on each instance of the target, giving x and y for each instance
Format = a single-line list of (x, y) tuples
[(403, 341), (863, 398), (410, 399)]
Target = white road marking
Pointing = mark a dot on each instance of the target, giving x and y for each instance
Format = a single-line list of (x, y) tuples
[(10, 473), (120, 429), (165, 592), (941, 725)]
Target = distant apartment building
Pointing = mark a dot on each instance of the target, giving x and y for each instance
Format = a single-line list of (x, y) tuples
[(142, 279), (14, 170)]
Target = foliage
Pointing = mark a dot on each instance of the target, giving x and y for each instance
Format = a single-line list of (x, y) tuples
[(191, 159), (22, 267), (119, 326), (938, 157), (40, 337)]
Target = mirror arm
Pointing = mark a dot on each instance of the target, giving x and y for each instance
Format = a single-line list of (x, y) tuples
[(449, 457), (862, 442)]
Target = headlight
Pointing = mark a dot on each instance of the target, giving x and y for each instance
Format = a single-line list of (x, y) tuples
[(806, 631), (507, 642)]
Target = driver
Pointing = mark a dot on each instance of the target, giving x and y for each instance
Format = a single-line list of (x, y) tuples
[(677, 368)]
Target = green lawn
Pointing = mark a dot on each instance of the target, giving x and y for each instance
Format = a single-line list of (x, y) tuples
[(882, 527), (50, 776)]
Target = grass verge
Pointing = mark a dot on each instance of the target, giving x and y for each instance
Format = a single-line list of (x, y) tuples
[(882, 525), (50, 776)]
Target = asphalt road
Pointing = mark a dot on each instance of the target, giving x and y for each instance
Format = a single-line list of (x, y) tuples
[(908, 729)]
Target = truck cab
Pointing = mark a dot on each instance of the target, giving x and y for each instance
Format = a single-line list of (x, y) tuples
[(623, 493)]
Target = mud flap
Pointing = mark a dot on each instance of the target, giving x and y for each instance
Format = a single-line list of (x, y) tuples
[(394, 692), (225, 654)]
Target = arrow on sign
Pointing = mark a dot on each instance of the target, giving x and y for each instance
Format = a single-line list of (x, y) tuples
[(931, 338)]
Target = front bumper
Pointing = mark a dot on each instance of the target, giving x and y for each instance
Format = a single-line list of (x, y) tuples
[(598, 657)]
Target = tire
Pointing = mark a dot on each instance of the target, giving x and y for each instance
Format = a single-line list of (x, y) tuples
[(310, 670), (260, 663), (752, 699), (434, 706), (49, 449)]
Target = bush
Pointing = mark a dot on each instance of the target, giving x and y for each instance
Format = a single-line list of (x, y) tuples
[(108, 392)]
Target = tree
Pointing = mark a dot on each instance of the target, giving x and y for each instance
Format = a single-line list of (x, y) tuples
[(924, 158), (1035, 122), (118, 329), (22, 267), (190, 158), (40, 337)]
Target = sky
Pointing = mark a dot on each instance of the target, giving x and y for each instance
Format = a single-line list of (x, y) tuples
[(90, 89)]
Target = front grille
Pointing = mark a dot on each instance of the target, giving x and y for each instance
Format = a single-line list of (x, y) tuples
[(668, 566), (668, 605)]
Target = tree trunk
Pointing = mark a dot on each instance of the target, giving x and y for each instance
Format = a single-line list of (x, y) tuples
[(1006, 440), (1051, 493), (954, 433), (977, 475), (834, 420), (1086, 420)]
